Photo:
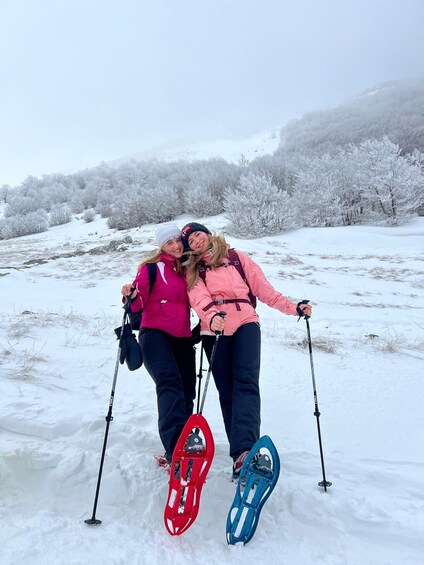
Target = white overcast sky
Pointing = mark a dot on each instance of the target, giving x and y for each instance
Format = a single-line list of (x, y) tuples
[(84, 81)]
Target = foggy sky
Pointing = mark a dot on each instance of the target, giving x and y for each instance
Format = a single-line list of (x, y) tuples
[(85, 81)]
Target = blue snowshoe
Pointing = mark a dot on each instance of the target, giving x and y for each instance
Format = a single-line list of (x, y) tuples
[(258, 477)]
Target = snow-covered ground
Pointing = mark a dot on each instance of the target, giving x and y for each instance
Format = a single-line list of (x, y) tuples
[(59, 304)]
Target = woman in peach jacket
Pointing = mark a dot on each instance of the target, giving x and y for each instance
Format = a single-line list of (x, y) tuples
[(215, 285)]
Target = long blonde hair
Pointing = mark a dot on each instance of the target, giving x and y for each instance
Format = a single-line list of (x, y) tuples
[(155, 258), (218, 252)]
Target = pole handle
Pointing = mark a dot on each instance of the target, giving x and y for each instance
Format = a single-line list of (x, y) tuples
[(127, 303), (300, 311), (222, 315)]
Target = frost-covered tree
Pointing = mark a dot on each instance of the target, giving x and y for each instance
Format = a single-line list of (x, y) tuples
[(178, 175), (394, 109), (52, 193), (370, 182), (160, 202), (273, 166), (76, 204), (200, 201), (127, 210), (391, 184), (204, 194), (243, 161), (35, 194), (105, 202), (19, 204), (138, 205), (95, 186), (316, 192), (60, 214), (16, 226), (30, 184), (349, 194), (4, 190), (258, 208), (89, 215)]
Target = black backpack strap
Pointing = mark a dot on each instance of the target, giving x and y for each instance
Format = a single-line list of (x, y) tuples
[(152, 270), (135, 317)]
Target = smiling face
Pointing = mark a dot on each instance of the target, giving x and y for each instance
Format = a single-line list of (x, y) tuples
[(198, 241), (174, 247)]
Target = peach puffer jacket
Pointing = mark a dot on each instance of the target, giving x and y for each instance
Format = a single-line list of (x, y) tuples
[(223, 283)]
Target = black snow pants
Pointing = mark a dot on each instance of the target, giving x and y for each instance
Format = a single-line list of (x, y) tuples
[(171, 363), (236, 373)]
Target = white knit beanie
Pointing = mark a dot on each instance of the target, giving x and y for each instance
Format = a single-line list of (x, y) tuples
[(165, 232)]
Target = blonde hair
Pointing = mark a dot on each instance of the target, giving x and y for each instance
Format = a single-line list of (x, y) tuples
[(218, 251), (155, 258)]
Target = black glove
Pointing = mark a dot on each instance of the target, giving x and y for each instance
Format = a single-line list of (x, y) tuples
[(123, 351), (133, 355), (130, 350)]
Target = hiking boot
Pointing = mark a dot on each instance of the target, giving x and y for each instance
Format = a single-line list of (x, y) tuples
[(163, 462), (238, 464), (194, 443)]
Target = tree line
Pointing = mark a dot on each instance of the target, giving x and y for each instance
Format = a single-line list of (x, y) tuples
[(315, 178), (373, 182)]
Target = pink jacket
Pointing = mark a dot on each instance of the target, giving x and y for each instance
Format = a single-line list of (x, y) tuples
[(225, 282), (167, 307)]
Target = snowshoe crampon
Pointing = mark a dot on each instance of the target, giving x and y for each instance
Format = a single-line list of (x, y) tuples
[(258, 477), (190, 464)]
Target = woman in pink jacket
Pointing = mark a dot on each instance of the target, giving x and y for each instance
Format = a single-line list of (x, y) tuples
[(165, 335), (214, 285)]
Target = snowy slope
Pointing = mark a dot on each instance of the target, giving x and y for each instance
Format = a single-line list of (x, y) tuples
[(230, 148), (59, 304)]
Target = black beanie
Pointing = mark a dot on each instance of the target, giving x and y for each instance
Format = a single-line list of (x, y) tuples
[(189, 229)]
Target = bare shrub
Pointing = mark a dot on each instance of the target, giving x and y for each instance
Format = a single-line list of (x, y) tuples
[(324, 343), (291, 260), (392, 341), (60, 215), (89, 215)]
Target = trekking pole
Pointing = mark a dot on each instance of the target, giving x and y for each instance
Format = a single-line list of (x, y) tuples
[(200, 376), (93, 520), (222, 314), (324, 483)]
